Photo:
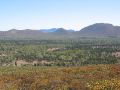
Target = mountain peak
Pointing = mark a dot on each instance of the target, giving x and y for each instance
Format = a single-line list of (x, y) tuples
[(100, 29)]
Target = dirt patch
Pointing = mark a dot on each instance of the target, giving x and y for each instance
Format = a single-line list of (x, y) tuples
[(116, 54)]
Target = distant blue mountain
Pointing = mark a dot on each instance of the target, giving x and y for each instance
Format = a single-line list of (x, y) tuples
[(48, 30), (55, 30), (70, 30)]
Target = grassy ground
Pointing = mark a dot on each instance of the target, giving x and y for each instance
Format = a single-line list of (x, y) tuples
[(94, 77)]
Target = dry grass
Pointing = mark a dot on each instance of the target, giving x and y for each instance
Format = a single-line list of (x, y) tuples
[(96, 77)]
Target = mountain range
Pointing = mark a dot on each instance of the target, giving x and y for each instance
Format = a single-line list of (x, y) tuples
[(95, 30)]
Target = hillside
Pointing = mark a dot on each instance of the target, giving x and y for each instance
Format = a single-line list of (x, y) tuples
[(100, 30)]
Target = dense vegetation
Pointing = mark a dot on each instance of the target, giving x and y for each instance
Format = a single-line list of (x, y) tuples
[(94, 77), (60, 52)]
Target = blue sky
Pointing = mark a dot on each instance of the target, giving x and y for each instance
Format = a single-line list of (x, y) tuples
[(69, 14)]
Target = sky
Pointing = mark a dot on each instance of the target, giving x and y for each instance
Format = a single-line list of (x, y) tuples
[(68, 14)]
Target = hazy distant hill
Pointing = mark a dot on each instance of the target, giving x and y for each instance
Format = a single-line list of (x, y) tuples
[(95, 30), (39, 34)]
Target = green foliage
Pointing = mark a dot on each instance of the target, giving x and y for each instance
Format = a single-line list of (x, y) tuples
[(74, 52)]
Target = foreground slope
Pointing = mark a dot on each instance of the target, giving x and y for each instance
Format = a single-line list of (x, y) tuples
[(96, 77)]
